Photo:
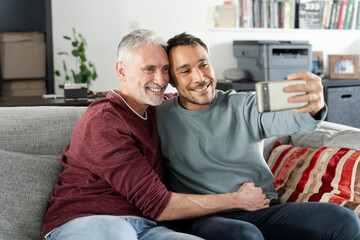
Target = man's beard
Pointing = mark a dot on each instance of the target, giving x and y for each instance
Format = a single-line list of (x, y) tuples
[(158, 99), (193, 100)]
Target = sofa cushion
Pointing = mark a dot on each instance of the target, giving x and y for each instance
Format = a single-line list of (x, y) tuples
[(37, 130), (26, 183), (327, 174), (329, 135)]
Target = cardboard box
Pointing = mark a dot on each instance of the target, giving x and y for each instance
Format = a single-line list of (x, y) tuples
[(22, 55), (21, 88), (23, 92), (23, 84)]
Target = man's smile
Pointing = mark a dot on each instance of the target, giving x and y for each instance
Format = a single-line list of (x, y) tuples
[(156, 88), (202, 87)]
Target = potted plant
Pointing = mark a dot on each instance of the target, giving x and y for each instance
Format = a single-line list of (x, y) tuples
[(84, 71)]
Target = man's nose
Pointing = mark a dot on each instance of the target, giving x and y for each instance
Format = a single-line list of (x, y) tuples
[(198, 75), (161, 77)]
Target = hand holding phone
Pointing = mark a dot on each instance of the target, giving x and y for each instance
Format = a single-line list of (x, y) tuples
[(272, 97)]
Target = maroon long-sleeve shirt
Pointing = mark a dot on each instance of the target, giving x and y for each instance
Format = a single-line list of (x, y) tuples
[(112, 166)]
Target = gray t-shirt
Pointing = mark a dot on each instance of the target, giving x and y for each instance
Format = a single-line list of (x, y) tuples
[(218, 148)]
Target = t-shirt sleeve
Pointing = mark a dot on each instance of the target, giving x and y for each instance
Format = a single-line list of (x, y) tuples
[(110, 152), (279, 123)]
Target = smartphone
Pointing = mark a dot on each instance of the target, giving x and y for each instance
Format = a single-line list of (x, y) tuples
[(272, 97)]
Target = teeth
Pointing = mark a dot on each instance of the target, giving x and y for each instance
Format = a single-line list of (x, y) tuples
[(155, 89), (201, 89)]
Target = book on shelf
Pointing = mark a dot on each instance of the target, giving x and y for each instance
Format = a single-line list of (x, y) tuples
[(342, 14), (322, 5), (276, 13), (353, 16), (309, 14), (349, 14), (257, 14), (273, 9), (244, 11), (264, 13), (288, 13), (336, 18), (250, 13), (358, 15), (270, 22), (325, 14), (226, 16), (329, 15)]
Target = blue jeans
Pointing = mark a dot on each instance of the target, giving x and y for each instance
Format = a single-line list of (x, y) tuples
[(105, 227), (295, 221)]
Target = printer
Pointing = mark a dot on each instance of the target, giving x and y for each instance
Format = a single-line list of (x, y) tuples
[(272, 60)]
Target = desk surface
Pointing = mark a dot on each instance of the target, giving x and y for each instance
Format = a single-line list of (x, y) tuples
[(39, 101)]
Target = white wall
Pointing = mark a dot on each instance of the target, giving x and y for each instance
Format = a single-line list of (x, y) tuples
[(104, 22), (327, 41)]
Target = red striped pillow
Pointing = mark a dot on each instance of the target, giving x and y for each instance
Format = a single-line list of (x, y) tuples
[(327, 174)]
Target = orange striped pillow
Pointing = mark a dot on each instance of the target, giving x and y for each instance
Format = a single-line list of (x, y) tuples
[(327, 174)]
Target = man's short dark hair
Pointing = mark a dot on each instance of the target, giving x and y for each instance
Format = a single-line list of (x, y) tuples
[(184, 39)]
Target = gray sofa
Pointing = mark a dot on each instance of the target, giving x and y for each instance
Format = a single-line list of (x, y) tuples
[(32, 140)]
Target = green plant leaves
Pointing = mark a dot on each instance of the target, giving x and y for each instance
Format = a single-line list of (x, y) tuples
[(75, 53), (64, 66), (85, 71)]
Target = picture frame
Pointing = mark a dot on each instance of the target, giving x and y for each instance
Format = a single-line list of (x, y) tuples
[(344, 66), (317, 61)]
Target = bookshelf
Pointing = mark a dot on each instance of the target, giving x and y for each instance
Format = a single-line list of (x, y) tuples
[(290, 14), (30, 16)]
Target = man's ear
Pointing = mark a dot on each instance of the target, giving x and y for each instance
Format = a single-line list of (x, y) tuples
[(120, 70)]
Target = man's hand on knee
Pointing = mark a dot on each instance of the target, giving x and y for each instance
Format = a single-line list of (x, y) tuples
[(251, 198)]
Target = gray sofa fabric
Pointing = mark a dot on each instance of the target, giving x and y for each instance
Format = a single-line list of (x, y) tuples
[(329, 135), (37, 130), (26, 182), (32, 140)]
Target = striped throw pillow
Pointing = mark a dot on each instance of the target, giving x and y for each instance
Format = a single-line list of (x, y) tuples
[(327, 174)]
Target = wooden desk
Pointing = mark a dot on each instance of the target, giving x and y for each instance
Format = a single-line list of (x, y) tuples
[(39, 101)]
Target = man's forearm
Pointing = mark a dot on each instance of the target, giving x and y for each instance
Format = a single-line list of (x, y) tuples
[(180, 206), (189, 206)]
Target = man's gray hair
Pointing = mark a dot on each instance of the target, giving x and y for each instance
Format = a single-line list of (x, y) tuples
[(138, 38)]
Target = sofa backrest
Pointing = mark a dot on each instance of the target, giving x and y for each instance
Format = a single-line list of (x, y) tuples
[(37, 130)]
